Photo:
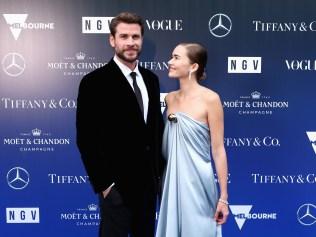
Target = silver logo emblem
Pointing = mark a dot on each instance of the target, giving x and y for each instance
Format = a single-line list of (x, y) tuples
[(13, 64), (15, 21), (312, 139), (220, 25), (18, 178), (306, 214)]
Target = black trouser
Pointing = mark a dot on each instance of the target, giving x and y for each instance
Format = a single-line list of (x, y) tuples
[(118, 220)]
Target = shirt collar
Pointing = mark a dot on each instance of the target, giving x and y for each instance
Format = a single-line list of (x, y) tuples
[(125, 69)]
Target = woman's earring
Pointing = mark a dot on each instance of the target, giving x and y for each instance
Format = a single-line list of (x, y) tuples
[(190, 74)]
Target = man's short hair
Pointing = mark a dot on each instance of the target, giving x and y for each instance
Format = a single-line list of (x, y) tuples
[(128, 18)]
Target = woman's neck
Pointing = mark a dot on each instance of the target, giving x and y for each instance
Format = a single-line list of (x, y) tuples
[(188, 87)]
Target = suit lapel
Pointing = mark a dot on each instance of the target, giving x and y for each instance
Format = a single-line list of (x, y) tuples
[(119, 77), (149, 92), (127, 91)]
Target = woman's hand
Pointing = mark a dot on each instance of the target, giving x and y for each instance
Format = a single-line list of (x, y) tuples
[(221, 213)]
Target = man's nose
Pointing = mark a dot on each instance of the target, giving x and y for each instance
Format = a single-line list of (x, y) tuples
[(130, 40)]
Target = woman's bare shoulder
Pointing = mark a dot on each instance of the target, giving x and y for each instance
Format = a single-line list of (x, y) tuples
[(170, 96), (210, 96)]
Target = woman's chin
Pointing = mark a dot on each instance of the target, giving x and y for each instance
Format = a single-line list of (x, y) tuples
[(171, 75)]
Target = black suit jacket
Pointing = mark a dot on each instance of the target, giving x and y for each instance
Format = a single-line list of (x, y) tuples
[(115, 143)]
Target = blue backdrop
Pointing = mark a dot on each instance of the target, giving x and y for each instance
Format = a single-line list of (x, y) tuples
[(261, 61)]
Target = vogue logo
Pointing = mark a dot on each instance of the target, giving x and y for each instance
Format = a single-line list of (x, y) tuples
[(165, 25), (301, 65)]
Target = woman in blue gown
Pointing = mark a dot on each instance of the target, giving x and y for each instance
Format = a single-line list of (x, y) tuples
[(191, 204)]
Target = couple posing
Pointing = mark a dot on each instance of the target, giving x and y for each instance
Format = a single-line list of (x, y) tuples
[(121, 133)]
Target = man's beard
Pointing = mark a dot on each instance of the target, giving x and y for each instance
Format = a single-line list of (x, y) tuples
[(130, 60)]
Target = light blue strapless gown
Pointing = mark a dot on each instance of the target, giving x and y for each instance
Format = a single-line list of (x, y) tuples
[(190, 193)]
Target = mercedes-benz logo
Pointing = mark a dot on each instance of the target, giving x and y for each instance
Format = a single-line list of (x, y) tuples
[(13, 64), (306, 214), (18, 178), (220, 25)]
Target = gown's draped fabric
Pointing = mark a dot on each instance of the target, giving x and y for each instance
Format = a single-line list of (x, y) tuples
[(189, 193)]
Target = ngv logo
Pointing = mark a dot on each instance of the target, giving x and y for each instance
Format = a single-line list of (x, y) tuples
[(312, 138), (96, 25), (22, 215), (244, 65)]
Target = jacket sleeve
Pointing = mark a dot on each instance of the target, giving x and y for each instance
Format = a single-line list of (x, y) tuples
[(89, 136)]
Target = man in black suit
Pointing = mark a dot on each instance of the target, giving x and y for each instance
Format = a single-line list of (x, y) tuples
[(119, 132)]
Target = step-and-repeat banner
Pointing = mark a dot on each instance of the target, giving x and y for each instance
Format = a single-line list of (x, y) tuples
[(261, 61)]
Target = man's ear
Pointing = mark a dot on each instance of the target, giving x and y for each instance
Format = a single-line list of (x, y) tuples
[(111, 40)]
